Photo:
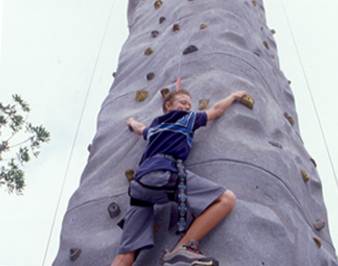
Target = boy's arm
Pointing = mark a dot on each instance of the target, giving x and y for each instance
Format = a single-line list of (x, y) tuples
[(135, 126), (219, 108)]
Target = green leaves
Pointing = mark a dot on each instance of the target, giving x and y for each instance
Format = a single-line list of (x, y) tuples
[(20, 140)]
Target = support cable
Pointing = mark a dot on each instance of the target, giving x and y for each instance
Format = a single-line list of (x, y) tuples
[(78, 129), (311, 94)]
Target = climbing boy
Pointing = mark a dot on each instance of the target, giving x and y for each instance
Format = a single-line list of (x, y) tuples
[(161, 177)]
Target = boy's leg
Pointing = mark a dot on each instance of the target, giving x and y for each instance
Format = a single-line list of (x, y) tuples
[(209, 218)]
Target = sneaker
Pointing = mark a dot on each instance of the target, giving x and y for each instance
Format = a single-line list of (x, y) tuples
[(187, 255)]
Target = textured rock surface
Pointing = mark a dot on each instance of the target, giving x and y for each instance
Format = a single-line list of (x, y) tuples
[(280, 217)]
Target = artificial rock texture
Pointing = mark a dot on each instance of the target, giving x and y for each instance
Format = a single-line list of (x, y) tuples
[(217, 47)]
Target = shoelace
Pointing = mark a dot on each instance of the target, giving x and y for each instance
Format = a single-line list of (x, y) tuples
[(192, 246)]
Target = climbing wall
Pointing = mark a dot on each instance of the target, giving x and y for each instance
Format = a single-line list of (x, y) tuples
[(216, 47)]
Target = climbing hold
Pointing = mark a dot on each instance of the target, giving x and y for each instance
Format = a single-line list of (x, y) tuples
[(266, 45), (289, 82), (155, 33), (273, 31), (161, 20), (130, 174), (74, 253), (313, 162), (89, 147), (114, 74), (190, 49), (276, 144), (141, 95), (203, 104), (248, 101), (289, 118), (305, 176), (254, 2), (176, 27), (165, 92), (319, 224), (318, 241), (158, 4), (150, 76), (113, 210), (203, 26), (148, 51)]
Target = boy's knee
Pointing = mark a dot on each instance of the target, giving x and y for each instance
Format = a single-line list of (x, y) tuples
[(228, 198)]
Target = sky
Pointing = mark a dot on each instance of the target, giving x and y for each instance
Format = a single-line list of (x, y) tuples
[(51, 56)]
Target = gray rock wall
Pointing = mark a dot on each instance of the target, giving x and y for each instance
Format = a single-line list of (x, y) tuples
[(280, 218)]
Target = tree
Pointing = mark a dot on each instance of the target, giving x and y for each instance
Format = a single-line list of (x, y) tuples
[(20, 140)]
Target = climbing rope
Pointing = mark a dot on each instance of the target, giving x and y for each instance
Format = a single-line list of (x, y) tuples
[(77, 130), (311, 94)]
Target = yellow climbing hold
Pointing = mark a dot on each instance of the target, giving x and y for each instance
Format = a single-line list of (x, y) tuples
[(248, 101), (130, 174), (305, 176), (203, 104), (141, 95)]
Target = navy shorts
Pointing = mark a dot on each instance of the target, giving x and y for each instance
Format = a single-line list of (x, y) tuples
[(138, 221)]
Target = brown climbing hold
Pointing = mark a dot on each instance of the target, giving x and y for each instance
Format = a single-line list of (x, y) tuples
[(248, 101), (203, 26), (158, 4), (289, 118), (114, 74), (74, 253), (266, 45), (276, 144), (176, 27), (161, 20), (203, 104), (150, 76), (254, 2), (165, 92), (313, 162), (318, 241), (289, 82), (155, 33), (305, 176), (141, 95), (148, 51), (89, 147), (130, 174), (319, 224), (190, 49), (113, 210)]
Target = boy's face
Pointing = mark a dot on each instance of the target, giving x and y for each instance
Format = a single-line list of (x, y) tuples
[(181, 102)]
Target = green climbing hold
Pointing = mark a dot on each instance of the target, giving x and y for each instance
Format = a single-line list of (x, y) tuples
[(130, 174), (305, 176), (141, 95), (248, 101)]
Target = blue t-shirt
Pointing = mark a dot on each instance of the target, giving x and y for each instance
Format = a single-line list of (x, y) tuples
[(170, 134)]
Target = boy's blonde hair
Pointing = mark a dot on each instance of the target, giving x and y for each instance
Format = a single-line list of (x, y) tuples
[(171, 96)]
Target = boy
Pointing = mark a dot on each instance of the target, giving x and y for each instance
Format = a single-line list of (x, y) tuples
[(169, 141)]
